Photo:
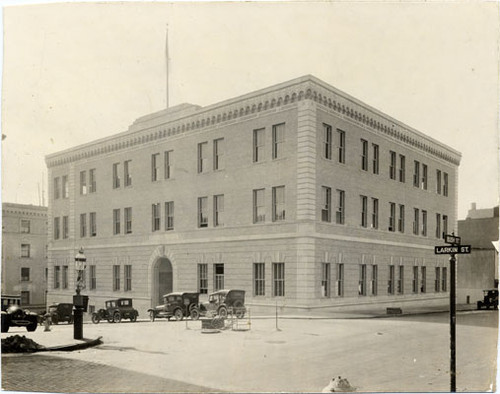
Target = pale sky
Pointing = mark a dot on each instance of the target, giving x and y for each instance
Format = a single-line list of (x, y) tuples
[(76, 72)]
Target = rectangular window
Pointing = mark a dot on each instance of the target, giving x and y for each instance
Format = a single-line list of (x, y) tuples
[(25, 250), (326, 209), (416, 173), (202, 212), (327, 141), (169, 156), (218, 276), (25, 298), (25, 274), (402, 168), (57, 277), (116, 277), (278, 141), (364, 155), (169, 215), (325, 279), (401, 220), (401, 279), (438, 181), (25, 226), (445, 184), (65, 187), (416, 214), (259, 279), (445, 224), (219, 154), (57, 189), (423, 280), (116, 175), (259, 215), (374, 284), (83, 182), (374, 213), (424, 223), (341, 146), (258, 145), (203, 278), (340, 279), (340, 212), (116, 221), (128, 220), (92, 181), (155, 167), (92, 277), (375, 160), (414, 286), (127, 174), (64, 276), (438, 225), (202, 157), (93, 224), (424, 177), (83, 225), (155, 216), (437, 280), (219, 210), (392, 165), (390, 282), (278, 203), (128, 278), (57, 229), (65, 227), (362, 280), (364, 211), (392, 216), (444, 279), (278, 279)]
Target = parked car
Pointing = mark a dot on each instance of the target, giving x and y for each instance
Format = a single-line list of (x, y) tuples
[(115, 311), (490, 299), (10, 300), (15, 316), (223, 302), (60, 312), (178, 305)]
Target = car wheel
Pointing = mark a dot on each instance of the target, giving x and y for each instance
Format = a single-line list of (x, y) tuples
[(55, 320), (70, 320), (110, 319), (178, 314), (5, 326), (152, 315), (133, 317), (223, 312), (32, 326), (95, 318), (239, 310), (195, 314), (117, 317)]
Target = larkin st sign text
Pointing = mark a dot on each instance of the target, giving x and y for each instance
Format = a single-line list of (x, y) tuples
[(462, 249)]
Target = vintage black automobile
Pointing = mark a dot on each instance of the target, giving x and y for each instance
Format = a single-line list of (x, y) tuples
[(223, 302), (177, 305), (14, 316), (61, 312), (115, 311), (490, 299)]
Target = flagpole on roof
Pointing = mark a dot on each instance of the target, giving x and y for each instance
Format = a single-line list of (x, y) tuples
[(166, 59)]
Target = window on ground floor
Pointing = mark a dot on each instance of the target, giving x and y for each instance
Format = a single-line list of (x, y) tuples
[(259, 279), (340, 279), (278, 279), (325, 279), (116, 277), (362, 280), (374, 284), (203, 278), (218, 276)]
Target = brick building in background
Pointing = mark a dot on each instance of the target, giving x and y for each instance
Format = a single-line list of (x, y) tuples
[(24, 253), (479, 270), (298, 193)]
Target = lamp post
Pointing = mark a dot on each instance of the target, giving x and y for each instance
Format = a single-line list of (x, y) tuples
[(79, 301)]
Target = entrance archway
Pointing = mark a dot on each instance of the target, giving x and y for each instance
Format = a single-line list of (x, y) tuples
[(162, 279)]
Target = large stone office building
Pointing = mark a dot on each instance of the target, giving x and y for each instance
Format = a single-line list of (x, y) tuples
[(298, 193)]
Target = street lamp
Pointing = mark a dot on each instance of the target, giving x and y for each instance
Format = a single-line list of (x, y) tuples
[(79, 301)]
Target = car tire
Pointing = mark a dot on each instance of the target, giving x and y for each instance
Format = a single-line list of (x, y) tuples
[(222, 312), (5, 326), (117, 317), (133, 317), (178, 314), (152, 315), (55, 320), (95, 318), (70, 320), (32, 326), (195, 314)]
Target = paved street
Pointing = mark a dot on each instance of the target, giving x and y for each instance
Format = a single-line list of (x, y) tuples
[(301, 355)]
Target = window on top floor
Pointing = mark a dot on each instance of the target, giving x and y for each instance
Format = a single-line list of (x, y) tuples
[(364, 211), (278, 203), (438, 225), (445, 224), (116, 222), (416, 214), (57, 188), (402, 168), (127, 173), (93, 224), (341, 146), (83, 225), (278, 141), (25, 226), (169, 215), (128, 220), (65, 187), (155, 167), (327, 141), (375, 213), (326, 209), (392, 165), (340, 212), (83, 183), (65, 227), (258, 145), (401, 220), (416, 173), (202, 157), (57, 228), (202, 212), (219, 210), (259, 212), (219, 154), (375, 159), (92, 181), (169, 157), (364, 155), (423, 184), (424, 223), (392, 216), (116, 175), (445, 184), (155, 217), (25, 274)]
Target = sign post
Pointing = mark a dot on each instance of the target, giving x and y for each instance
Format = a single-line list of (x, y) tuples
[(455, 248)]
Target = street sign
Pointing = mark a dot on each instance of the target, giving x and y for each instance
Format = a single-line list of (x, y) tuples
[(460, 249), (451, 239)]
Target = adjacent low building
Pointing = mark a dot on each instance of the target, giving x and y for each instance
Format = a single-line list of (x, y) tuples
[(298, 193)]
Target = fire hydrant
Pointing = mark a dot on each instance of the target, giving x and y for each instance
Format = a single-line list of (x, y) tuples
[(46, 321)]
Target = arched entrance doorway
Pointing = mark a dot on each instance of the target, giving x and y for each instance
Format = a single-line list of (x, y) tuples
[(162, 279)]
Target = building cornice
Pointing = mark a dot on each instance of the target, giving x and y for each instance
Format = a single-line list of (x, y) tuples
[(187, 118), (24, 210)]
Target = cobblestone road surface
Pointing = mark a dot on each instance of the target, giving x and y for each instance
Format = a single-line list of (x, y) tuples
[(43, 373)]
